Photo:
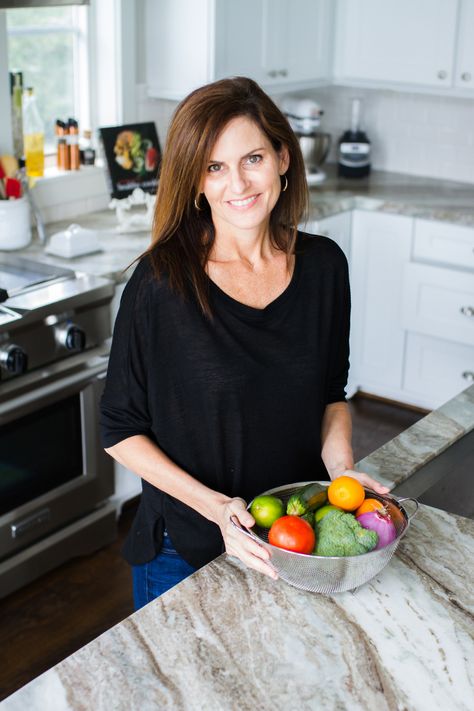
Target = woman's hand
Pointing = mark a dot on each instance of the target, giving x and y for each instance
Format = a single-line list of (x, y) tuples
[(238, 544), (364, 479)]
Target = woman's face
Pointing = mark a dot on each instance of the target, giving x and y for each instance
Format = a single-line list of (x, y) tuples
[(242, 179)]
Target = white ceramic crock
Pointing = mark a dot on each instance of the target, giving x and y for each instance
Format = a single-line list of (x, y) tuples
[(15, 226)]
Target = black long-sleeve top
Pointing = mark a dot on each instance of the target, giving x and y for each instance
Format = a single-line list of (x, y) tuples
[(238, 401)]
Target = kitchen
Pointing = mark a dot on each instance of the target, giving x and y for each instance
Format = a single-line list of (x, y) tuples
[(414, 212)]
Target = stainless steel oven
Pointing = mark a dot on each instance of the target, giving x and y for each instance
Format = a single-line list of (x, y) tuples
[(55, 478)]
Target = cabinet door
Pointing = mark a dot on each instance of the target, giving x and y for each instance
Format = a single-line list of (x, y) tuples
[(380, 248), (439, 302), (238, 32), (464, 78), (179, 46), (436, 369), (295, 42), (337, 227), (392, 41)]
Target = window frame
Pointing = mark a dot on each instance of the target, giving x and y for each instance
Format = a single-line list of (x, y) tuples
[(111, 67), (80, 31)]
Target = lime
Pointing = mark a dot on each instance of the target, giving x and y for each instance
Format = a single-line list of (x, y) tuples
[(266, 509), (321, 513)]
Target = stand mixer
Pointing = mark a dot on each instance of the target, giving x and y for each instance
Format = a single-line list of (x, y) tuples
[(304, 116)]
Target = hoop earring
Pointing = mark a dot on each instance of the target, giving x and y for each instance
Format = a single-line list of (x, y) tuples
[(196, 205), (286, 184)]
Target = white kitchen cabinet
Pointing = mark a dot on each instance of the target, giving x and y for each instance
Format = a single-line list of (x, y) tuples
[(282, 44), (380, 249), (393, 41), (436, 370), (337, 227), (439, 302), (444, 243), (464, 69)]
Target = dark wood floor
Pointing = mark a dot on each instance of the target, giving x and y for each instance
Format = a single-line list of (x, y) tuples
[(67, 608)]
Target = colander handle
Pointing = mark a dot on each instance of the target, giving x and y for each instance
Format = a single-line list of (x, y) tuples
[(414, 501), (246, 531)]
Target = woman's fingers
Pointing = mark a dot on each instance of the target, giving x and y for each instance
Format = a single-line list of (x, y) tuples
[(368, 481), (237, 507), (238, 544)]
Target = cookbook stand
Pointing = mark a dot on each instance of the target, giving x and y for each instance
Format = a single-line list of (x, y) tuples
[(135, 212)]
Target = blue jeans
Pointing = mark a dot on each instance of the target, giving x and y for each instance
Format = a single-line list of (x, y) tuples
[(159, 575)]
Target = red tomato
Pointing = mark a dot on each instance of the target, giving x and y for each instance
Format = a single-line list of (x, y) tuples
[(293, 534)]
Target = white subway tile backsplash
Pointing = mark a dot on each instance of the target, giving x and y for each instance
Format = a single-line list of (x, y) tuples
[(419, 134)]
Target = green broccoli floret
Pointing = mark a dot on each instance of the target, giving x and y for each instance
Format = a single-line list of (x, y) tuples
[(340, 534)]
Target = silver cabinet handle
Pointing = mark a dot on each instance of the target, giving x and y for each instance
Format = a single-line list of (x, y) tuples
[(467, 311), (283, 73), (468, 375), (272, 73), (466, 76), (442, 74)]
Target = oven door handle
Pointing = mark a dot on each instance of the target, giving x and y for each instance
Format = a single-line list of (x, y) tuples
[(37, 397)]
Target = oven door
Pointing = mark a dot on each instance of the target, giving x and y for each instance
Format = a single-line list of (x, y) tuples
[(52, 467)]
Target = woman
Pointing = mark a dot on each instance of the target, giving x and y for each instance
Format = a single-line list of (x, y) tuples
[(230, 350)]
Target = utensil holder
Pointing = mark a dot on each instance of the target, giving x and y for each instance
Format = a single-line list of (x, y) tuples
[(15, 225)]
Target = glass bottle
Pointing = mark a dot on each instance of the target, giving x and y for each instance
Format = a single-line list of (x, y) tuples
[(33, 136), (87, 150)]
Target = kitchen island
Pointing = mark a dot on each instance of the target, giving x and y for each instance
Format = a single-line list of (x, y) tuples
[(229, 638)]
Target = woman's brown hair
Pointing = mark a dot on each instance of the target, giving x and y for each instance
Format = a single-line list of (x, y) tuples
[(183, 235)]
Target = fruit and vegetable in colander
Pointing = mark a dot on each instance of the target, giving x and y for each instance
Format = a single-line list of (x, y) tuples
[(337, 520)]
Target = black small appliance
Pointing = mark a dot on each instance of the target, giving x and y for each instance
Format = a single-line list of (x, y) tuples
[(354, 148)]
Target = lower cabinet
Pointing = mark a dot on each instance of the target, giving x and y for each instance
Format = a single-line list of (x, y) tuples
[(337, 227), (412, 320), (436, 369), (380, 249)]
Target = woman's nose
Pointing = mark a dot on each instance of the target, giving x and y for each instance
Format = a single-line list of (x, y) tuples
[(238, 181)]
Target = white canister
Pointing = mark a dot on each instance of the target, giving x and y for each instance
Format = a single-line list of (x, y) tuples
[(15, 225)]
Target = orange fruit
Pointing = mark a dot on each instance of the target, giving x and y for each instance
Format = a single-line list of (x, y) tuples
[(368, 505), (346, 492)]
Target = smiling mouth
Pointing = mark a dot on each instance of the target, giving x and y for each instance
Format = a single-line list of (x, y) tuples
[(243, 203)]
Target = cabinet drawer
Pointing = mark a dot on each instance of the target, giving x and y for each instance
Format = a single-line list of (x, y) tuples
[(438, 302), (435, 369), (445, 243)]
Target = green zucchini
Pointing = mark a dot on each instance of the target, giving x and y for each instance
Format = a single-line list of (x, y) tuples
[(309, 517), (308, 498)]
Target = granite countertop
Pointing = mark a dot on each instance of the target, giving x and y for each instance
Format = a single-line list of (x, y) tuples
[(229, 638), (384, 192)]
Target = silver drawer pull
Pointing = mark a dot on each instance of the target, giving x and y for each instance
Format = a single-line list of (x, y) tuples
[(37, 519), (468, 375), (467, 310)]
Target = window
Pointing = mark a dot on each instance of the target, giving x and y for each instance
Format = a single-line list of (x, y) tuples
[(50, 47)]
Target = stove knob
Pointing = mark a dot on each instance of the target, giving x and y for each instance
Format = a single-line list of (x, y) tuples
[(75, 338), (13, 359)]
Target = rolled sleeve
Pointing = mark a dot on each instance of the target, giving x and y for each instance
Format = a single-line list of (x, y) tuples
[(124, 408)]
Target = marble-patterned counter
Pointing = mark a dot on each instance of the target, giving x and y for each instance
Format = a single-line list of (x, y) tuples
[(399, 459), (228, 638), (386, 192)]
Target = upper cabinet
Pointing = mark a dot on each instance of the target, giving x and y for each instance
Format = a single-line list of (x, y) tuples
[(464, 70), (282, 44), (401, 42)]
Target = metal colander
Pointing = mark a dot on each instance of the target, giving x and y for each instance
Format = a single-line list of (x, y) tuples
[(324, 574)]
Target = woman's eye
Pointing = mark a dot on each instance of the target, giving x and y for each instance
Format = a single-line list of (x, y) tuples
[(256, 158), (213, 168)]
